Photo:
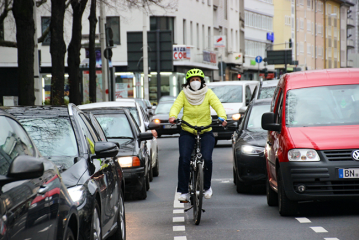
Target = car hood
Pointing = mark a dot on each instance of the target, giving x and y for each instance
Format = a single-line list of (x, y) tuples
[(127, 149), (255, 138), (230, 108), (325, 137)]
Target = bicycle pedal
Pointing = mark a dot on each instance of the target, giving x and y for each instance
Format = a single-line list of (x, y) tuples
[(186, 210), (184, 201)]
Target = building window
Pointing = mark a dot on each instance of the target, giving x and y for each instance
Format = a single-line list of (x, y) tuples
[(203, 38), (162, 23), (197, 30), (2, 31), (45, 23), (225, 6), (184, 32), (114, 24), (209, 38), (191, 32)]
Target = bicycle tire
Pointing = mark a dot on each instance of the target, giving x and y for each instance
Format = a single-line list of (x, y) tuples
[(198, 196)]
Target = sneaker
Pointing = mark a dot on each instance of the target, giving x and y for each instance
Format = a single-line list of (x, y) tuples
[(208, 193), (184, 197)]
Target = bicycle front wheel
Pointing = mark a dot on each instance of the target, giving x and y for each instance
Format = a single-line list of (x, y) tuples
[(198, 196)]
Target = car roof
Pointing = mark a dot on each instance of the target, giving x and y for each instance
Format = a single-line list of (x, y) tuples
[(231, 83), (270, 83), (43, 111), (118, 104), (105, 110), (263, 101), (317, 78)]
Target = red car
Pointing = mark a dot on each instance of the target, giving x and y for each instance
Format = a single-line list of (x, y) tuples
[(312, 150)]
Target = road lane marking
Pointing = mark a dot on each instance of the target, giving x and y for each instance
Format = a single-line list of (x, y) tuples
[(331, 238), (303, 220), (178, 219), (175, 211), (180, 238), (176, 203), (179, 228), (318, 229)]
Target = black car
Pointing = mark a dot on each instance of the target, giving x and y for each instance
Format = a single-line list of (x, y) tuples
[(119, 126), (34, 202), (265, 89), (67, 137), (162, 115), (248, 144)]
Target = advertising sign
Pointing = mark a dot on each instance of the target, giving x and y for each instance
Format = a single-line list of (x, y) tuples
[(181, 52), (219, 41), (209, 57), (237, 58)]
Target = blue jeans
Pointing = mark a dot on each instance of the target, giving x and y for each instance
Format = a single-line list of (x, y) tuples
[(186, 145)]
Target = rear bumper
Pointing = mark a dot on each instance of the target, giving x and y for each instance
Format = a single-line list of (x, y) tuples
[(221, 134), (133, 179)]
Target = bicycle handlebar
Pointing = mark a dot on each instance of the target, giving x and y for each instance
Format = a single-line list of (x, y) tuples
[(180, 121)]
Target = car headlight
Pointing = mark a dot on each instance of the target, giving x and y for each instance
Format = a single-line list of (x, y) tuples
[(157, 121), (307, 155), (251, 150), (77, 194), (129, 161), (234, 117)]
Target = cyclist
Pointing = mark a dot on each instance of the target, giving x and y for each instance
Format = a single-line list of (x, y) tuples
[(196, 100)]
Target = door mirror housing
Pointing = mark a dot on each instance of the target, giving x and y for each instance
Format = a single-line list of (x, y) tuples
[(105, 149), (153, 126), (268, 122), (25, 167), (145, 136)]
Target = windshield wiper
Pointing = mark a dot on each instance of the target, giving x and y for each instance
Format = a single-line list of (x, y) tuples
[(120, 138)]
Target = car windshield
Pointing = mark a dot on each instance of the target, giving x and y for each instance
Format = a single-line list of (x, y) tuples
[(134, 112), (116, 127), (266, 92), (164, 108), (228, 93), (255, 117), (53, 137), (323, 106)]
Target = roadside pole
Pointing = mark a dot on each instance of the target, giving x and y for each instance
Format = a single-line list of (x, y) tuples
[(37, 83), (145, 55), (105, 96)]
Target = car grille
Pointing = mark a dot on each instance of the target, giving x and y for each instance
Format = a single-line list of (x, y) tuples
[(339, 155)]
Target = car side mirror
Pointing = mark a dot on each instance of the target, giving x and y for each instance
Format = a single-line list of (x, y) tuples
[(145, 136), (25, 167), (233, 126), (268, 122), (105, 149), (118, 145), (153, 126)]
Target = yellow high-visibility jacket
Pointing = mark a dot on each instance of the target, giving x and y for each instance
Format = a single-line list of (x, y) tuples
[(197, 115)]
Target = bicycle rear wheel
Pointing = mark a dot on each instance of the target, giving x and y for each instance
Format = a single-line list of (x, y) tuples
[(198, 196)]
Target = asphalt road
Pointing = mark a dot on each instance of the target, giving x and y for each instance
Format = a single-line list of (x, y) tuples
[(230, 215)]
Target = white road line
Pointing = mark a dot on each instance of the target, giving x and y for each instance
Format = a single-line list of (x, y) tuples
[(331, 238), (318, 229), (178, 219), (179, 228), (303, 220), (176, 203), (175, 211), (180, 238)]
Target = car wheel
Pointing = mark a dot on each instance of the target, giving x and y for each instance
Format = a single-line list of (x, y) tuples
[(142, 194), (151, 172), (148, 181), (156, 170), (120, 233), (96, 223), (234, 177), (242, 187), (272, 196), (69, 235), (287, 207)]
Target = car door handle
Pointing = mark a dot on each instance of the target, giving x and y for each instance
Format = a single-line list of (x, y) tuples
[(269, 143)]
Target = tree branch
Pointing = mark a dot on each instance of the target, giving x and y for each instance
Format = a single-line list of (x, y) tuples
[(8, 44), (44, 35)]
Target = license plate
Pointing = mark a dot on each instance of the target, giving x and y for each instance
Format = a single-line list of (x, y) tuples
[(215, 134), (169, 126), (348, 172)]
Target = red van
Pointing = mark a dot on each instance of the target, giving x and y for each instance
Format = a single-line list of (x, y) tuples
[(312, 150)]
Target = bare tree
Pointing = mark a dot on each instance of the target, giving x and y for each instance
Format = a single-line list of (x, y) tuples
[(92, 55), (25, 30), (74, 48)]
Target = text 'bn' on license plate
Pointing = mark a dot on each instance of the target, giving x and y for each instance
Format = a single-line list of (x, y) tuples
[(349, 173)]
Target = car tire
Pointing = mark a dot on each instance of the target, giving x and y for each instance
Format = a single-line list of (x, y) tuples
[(234, 177), (69, 235), (286, 206), (272, 196), (151, 172), (96, 228), (156, 170), (242, 187), (148, 181), (120, 233), (142, 194)]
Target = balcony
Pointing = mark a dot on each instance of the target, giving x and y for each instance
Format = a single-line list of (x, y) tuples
[(350, 22), (350, 63), (350, 43), (215, 4), (351, 2)]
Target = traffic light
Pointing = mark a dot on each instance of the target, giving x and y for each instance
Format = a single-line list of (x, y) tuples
[(239, 76), (290, 43), (109, 37), (265, 73)]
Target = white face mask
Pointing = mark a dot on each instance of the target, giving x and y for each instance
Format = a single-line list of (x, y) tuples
[(195, 85)]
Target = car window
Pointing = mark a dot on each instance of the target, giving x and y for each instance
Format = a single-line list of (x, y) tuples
[(255, 117), (248, 94), (136, 128), (279, 110), (266, 92), (98, 127), (90, 138), (323, 106), (116, 127), (228, 93), (254, 93), (144, 114), (134, 113), (52, 136), (14, 141), (275, 97), (164, 108)]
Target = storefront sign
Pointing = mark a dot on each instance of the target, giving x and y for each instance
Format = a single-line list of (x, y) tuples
[(121, 90), (181, 52), (219, 41), (209, 57), (237, 58)]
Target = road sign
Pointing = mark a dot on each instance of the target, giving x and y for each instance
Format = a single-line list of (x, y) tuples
[(219, 41), (279, 56), (259, 59)]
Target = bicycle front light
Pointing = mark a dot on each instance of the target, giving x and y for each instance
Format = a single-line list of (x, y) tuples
[(126, 162)]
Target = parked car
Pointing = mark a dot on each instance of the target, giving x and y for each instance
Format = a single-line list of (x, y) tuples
[(35, 204), (235, 97), (120, 126), (142, 121), (144, 104), (265, 89), (161, 116), (312, 152), (86, 162), (167, 99), (249, 139)]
